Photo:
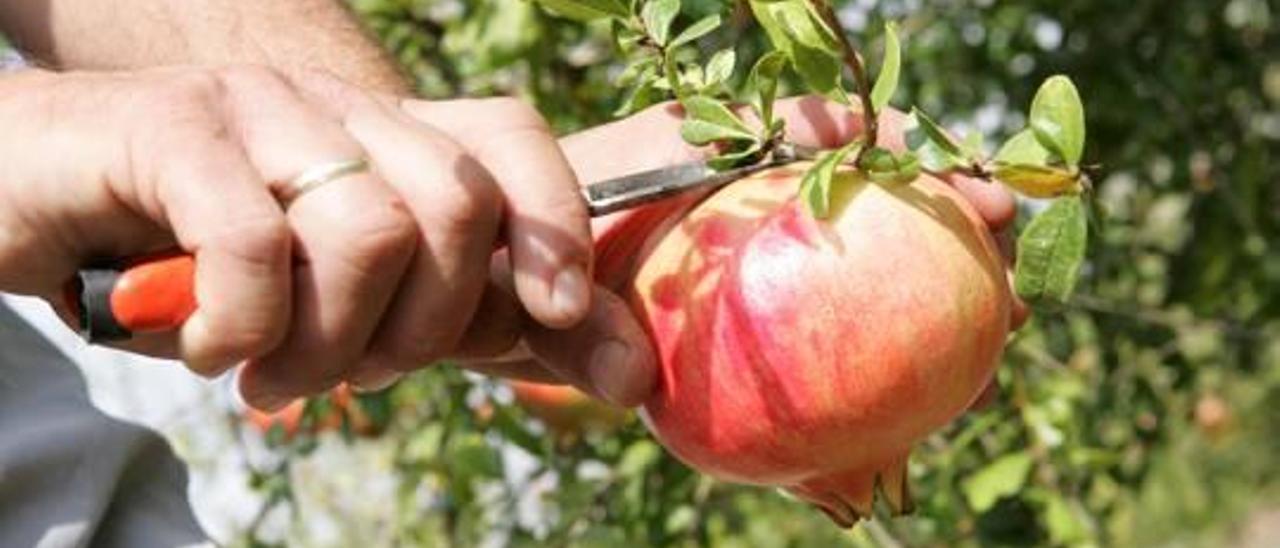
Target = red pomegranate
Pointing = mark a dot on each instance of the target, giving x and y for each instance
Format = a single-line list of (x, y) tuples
[(812, 354)]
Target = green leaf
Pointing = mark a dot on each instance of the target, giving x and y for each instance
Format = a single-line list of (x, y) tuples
[(695, 31), (935, 159), (587, 10), (639, 70), (883, 166), (934, 133), (764, 80), (815, 188), (887, 81), (1038, 181), (878, 160), (795, 30), (1050, 253), (720, 67), (706, 109), (820, 71), (700, 133), (644, 94), (1025, 149), (997, 480), (1057, 118), (746, 156), (937, 150), (802, 24), (658, 16)]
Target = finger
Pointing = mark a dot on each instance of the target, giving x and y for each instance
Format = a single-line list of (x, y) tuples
[(222, 212), (548, 229), (493, 344), (608, 355), (523, 370), (993, 202), (459, 208), (355, 238), (579, 356), (499, 322)]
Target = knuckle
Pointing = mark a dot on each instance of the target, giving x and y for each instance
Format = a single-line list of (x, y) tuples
[(246, 338), (471, 206), (518, 114), (258, 240)]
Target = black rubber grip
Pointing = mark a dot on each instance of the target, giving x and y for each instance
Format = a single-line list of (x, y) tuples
[(98, 321)]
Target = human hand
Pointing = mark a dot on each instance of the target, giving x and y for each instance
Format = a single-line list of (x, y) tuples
[(375, 273)]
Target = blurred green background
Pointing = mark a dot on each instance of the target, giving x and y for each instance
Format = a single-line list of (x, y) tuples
[(1146, 413)]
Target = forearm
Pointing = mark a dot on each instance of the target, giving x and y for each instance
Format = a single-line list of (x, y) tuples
[(127, 34)]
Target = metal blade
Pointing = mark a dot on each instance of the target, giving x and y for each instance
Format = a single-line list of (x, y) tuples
[(637, 189)]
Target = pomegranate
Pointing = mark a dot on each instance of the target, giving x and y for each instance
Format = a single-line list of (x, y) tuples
[(566, 411), (812, 354)]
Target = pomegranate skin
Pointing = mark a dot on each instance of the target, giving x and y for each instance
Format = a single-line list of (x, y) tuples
[(813, 354)]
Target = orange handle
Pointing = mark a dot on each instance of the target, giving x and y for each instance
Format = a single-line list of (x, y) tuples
[(145, 295)]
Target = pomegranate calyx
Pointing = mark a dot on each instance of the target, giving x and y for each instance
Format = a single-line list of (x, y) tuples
[(849, 496)]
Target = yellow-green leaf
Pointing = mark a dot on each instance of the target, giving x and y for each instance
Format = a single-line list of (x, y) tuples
[(1038, 181), (1050, 253)]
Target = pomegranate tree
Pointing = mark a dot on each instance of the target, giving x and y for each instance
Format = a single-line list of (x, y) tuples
[(814, 322)]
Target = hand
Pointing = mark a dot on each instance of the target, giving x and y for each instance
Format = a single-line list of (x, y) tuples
[(374, 273), (649, 140)]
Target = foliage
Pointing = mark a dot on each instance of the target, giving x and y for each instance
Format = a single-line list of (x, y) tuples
[(1102, 434)]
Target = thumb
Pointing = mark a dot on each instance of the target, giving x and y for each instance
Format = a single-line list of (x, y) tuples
[(608, 355)]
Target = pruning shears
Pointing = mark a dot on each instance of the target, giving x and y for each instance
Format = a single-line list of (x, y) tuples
[(155, 293)]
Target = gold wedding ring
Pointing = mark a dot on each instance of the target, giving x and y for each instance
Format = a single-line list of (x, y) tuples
[(318, 176)]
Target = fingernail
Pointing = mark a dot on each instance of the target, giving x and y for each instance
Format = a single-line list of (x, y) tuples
[(608, 370), (375, 380), (571, 292)]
